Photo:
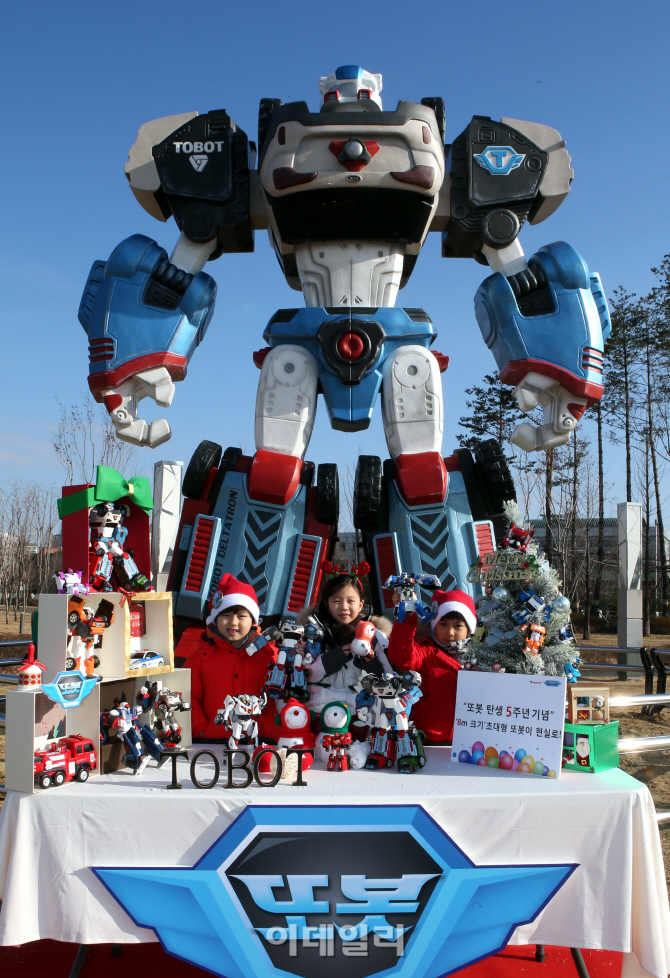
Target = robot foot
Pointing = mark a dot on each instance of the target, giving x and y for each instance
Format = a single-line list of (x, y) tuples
[(425, 514), (261, 519)]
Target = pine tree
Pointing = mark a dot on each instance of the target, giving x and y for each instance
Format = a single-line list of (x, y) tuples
[(500, 640), (494, 413)]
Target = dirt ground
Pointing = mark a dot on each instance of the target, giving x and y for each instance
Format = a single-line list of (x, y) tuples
[(653, 769)]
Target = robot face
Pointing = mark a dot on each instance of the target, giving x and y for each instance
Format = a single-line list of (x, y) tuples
[(352, 84), (107, 514), (296, 717), (335, 717), (386, 685)]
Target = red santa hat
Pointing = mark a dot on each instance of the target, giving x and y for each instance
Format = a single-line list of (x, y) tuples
[(229, 593), (446, 601)]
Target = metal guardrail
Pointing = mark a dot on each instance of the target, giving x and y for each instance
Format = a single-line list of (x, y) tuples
[(19, 641)]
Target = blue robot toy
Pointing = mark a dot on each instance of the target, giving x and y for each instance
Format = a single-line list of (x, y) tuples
[(348, 194), (384, 702), (139, 740), (404, 586)]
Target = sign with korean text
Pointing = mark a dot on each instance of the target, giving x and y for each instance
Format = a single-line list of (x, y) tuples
[(510, 723)]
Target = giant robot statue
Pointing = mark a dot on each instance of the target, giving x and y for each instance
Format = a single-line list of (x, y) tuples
[(347, 195)]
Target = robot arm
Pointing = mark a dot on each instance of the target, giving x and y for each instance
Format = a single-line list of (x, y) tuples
[(145, 313), (545, 319)]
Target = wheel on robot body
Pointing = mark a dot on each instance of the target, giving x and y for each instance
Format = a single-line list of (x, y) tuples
[(230, 457), (82, 773), (206, 456), (389, 762), (422, 760), (70, 664), (328, 499), (495, 482), (59, 777), (73, 619), (96, 662), (367, 493)]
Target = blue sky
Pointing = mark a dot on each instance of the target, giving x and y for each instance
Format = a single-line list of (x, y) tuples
[(80, 78)]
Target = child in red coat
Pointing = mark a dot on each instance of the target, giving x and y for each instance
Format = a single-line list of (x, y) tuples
[(436, 658), (230, 659)]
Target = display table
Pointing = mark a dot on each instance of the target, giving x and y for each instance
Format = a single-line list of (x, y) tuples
[(615, 899)]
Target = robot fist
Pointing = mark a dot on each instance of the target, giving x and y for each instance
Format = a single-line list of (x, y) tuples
[(144, 318), (561, 413)]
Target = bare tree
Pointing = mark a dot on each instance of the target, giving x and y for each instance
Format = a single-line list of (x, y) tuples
[(86, 438)]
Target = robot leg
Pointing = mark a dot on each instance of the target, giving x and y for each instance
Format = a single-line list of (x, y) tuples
[(428, 525), (260, 518)]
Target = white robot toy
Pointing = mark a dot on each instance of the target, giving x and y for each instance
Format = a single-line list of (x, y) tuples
[(239, 718)]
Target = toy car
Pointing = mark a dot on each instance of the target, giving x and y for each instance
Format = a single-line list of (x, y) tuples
[(146, 659), (72, 757)]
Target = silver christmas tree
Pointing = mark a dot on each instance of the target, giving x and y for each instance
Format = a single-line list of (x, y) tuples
[(524, 620)]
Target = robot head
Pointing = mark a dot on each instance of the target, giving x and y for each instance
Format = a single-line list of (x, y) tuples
[(386, 685), (108, 514), (351, 83)]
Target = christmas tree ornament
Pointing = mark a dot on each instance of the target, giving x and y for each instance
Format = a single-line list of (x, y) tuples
[(561, 605), (499, 594)]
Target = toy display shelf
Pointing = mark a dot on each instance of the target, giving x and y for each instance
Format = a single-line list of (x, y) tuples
[(112, 752), (114, 651), (32, 719)]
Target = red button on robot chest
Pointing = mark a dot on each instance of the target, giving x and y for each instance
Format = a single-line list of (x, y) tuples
[(350, 346)]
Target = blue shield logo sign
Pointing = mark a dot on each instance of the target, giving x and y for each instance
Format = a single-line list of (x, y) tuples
[(323, 891), (69, 688), (500, 160)]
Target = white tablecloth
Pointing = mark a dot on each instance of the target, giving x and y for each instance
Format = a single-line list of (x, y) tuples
[(616, 899)]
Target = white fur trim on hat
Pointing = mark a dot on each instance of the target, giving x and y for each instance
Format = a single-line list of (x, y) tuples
[(462, 608), (229, 601)]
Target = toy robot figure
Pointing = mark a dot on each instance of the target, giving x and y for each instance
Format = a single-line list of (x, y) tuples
[(335, 720), (535, 635), (533, 604), (69, 582), (571, 669), (385, 703), (404, 586), (86, 628), (289, 675), (312, 638), (517, 537), (107, 555), (348, 195), (238, 716), (140, 741), (162, 705)]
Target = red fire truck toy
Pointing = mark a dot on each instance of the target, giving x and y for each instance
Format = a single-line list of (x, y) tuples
[(72, 757)]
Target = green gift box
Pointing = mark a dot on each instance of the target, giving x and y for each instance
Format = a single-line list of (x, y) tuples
[(590, 748)]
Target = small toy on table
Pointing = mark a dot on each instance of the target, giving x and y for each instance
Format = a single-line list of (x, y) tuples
[(384, 702), (288, 676), (590, 747), (71, 758), (238, 717), (294, 729), (140, 741), (162, 704), (335, 720), (405, 586)]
